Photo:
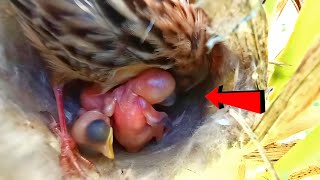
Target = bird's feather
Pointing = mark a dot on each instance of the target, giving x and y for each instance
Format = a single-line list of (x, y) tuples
[(96, 39)]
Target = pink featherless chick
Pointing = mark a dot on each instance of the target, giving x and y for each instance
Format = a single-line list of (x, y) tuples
[(134, 120)]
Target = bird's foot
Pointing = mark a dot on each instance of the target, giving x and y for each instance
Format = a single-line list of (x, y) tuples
[(72, 163)]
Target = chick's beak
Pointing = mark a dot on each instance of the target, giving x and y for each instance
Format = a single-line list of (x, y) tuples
[(107, 148)]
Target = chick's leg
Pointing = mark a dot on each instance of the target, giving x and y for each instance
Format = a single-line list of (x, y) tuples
[(71, 161), (153, 117)]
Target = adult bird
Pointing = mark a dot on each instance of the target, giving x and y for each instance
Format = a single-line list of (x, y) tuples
[(107, 42)]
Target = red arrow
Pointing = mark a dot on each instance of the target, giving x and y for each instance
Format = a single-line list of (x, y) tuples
[(249, 100)]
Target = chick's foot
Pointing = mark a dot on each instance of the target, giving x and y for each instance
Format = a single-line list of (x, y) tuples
[(72, 163)]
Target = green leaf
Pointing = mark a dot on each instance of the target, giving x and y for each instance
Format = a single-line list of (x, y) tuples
[(270, 6), (306, 30), (280, 121), (302, 155)]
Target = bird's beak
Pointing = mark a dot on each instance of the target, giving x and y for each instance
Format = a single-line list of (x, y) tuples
[(108, 146)]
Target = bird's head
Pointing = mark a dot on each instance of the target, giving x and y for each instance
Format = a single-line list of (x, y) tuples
[(93, 131)]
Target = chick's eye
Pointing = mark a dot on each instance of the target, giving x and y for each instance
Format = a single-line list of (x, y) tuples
[(92, 131), (91, 128), (97, 131)]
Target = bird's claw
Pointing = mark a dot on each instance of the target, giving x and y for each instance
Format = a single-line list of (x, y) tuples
[(71, 161)]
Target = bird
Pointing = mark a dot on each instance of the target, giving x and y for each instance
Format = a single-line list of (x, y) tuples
[(128, 110), (135, 121), (108, 42)]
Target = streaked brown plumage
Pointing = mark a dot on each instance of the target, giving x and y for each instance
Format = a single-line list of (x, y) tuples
[(111, 41)]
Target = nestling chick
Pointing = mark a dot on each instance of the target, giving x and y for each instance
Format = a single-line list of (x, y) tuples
[(134, 120), (109, 42)]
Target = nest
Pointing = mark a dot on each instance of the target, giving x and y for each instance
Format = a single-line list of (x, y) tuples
[(201, 134)]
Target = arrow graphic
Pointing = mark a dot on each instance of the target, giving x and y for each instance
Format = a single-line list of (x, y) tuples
[(248, 100)]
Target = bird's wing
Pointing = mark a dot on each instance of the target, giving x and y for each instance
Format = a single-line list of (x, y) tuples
[(100, 36), (82, 34)]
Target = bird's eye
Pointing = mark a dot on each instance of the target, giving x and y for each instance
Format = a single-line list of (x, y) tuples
[(97, 131), (92, 130)]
